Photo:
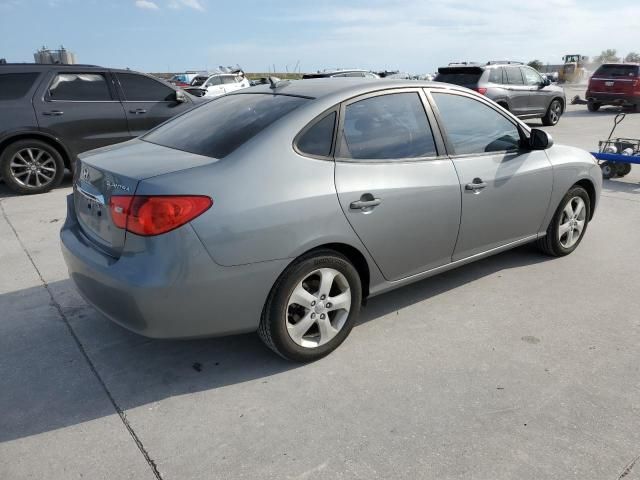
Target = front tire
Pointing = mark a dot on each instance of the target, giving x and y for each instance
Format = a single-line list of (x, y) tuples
[(312, 307), (554, 112), (569, 224), (31, 166)]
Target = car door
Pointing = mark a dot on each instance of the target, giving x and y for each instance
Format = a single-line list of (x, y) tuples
[(147, 102), (518, 92), (400, 196), (505, 189), (214, 86), (539, 93), (81, 108)]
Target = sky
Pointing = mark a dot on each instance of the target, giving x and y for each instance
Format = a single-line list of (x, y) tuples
[(414, 36)]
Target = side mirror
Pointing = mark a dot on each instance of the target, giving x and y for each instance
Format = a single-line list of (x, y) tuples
[(181, 97), (540, 140)]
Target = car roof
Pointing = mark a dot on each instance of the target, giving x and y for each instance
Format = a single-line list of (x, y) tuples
[(324, 87)]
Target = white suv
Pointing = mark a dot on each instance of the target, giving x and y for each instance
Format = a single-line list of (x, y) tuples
[(221, 83)]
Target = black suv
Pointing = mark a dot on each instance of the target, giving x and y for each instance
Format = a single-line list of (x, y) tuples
[(514, 86), (51, 113)]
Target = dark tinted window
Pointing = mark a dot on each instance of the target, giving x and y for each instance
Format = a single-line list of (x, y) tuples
[(79, 87), (391, 126), (219, 127), (496, 75), (16, 85), (318, 139), (464, 76), (473, 127), (138, 88), (618, 70), (514, 77)]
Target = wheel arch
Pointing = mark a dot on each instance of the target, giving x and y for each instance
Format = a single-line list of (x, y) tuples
[(591, 191), (52, 141), (355, 256)]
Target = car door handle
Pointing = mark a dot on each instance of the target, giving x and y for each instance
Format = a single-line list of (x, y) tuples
[(476, 185), (53, 113), (366, 201), (138, 111)]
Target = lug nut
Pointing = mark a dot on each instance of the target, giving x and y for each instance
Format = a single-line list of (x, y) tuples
[(322, 316), (313, 303), (322, 297), (313, 315), (328, 305)]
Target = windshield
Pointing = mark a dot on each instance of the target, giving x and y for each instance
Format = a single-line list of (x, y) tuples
[(219, 127)]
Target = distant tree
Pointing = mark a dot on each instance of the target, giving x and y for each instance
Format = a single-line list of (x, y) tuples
[(537, 64), (632, 57), (609, 55)]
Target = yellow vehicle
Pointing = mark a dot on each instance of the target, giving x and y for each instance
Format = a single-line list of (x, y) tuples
[(573, 70)]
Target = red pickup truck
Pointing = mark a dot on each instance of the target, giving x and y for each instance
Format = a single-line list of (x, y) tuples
[(614, 84)]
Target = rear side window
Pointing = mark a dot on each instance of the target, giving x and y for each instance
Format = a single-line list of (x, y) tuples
[(467, 76), (386, 127), (473, 127), (80, 87), (618, 71), (318, 139), (16, 85), (514, 76), (222, 125), (496, 75), (138, 88)]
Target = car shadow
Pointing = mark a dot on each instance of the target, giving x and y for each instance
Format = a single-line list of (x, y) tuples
[(603, 112), (47, 383), (622, 185)]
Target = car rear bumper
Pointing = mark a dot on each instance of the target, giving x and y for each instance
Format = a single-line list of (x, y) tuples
[(613, 98), (167, 286)]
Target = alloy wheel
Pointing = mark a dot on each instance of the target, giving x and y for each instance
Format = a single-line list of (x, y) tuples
[(555, 111), (318, 308), (33, 168), (572, 222)]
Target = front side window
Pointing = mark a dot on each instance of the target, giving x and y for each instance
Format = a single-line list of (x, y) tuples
[(318, 139), (222, 125), (138, 88), (16, 85), (531, 77), (80, 87), (385, 127), (473, 127), (514, 77)]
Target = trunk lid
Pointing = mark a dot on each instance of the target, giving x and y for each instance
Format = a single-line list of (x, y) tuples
[(117, 170)]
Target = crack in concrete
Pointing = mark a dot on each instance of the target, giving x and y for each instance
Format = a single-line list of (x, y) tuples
[(63, 316), (628, 468)]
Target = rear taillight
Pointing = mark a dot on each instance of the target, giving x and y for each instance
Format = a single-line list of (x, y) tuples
[(153, 215), (481, 90)]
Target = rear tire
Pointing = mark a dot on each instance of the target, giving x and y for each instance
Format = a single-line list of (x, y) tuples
[(554, 112), (302, 296), (608, 170), (31, 166), (568, 225), (593, 106), (623, 169)]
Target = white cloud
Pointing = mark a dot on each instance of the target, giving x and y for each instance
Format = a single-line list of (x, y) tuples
[(194, 4), (146, 5)]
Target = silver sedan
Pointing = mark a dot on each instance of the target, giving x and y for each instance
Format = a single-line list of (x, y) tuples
[(280, 208)]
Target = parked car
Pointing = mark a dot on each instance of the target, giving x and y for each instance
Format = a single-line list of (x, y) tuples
[(183, 79), (300, 200), (341, 73), (614, 84), (219, 84), (517, 88), (51, 113)]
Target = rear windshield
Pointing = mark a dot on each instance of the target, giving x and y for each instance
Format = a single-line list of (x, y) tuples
[(618, 70), (459, 76), (16, 85), (222, 125)]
